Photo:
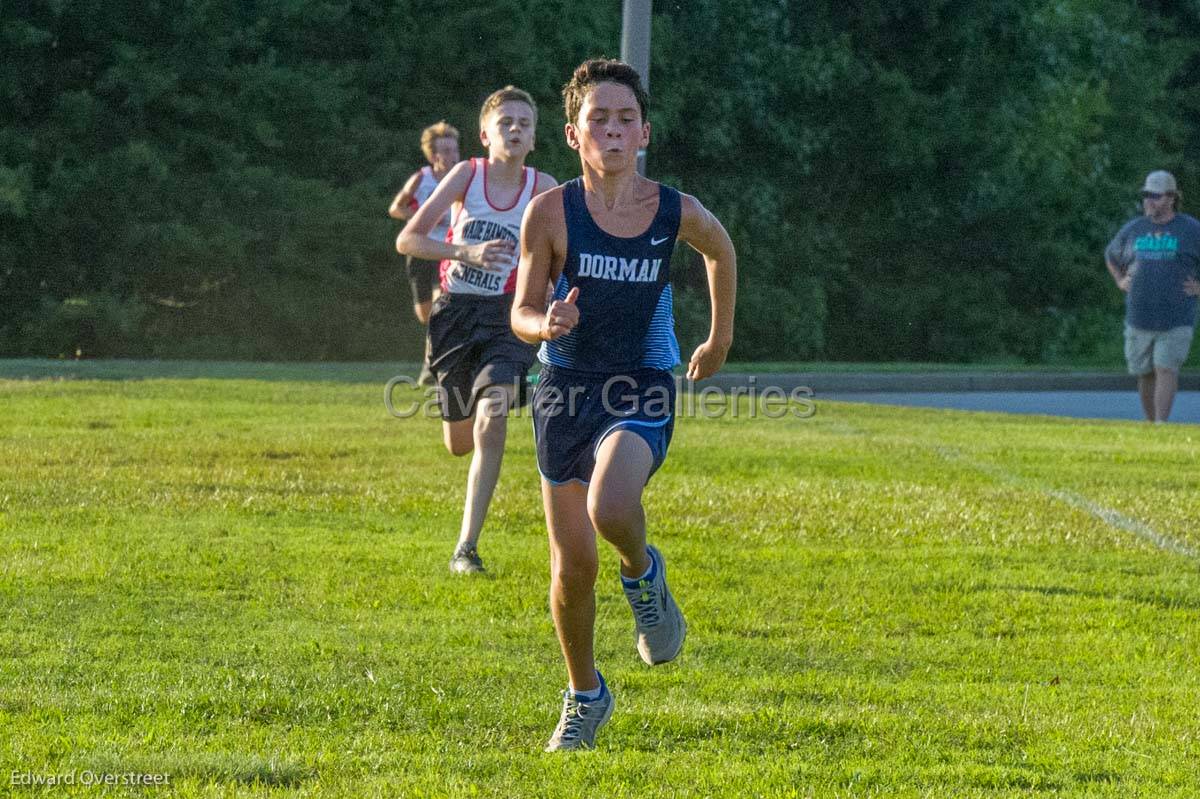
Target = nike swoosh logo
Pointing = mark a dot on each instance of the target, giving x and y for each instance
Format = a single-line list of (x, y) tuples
[(656, 242)]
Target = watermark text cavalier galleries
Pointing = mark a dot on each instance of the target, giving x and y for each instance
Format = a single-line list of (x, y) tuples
[(620, 397), (87, 778)]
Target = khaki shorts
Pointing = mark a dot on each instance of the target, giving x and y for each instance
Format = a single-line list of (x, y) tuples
[(1147, 350)]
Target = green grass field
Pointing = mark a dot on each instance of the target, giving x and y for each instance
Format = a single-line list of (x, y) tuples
[(242, 584)]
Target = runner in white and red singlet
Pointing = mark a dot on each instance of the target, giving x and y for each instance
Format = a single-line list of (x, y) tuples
[(439, 143), (479, 365)]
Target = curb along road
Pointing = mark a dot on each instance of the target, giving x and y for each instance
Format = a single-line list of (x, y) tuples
[(867, 382)]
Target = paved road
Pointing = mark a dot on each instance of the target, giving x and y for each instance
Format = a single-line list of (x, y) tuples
[(1077, 404), (1104, 394)]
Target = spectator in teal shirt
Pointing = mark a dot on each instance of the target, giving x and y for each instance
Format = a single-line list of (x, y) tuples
[(1155, 260)]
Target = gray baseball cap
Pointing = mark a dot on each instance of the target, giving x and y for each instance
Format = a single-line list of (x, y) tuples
[(1161, 182)]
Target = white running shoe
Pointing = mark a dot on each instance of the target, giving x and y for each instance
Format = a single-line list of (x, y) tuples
[(466, 560), (579, 721), (660, 625)]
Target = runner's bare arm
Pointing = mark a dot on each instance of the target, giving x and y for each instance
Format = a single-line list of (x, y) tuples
[(405, 203), (705, 234), (545, 183), (543, 246), (414, 239)]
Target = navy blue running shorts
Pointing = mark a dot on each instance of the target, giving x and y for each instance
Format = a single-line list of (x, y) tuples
[(472, 347), (573, 412)]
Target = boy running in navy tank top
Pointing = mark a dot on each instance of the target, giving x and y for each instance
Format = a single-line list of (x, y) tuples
[(603, 409), (479, 365)]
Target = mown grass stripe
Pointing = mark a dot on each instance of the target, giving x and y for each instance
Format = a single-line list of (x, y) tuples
[(1109, 516)]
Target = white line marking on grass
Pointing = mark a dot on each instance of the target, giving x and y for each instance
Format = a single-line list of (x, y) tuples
[(1107, 515), (1123, 522)]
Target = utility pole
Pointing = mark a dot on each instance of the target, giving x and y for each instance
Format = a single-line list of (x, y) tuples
[(635, 49)]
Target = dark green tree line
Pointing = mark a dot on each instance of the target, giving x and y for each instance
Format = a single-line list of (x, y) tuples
[(903, 180)]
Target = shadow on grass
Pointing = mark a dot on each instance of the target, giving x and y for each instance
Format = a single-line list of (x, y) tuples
[(1161, 601)]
